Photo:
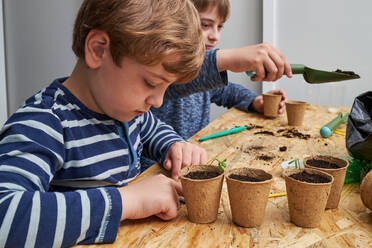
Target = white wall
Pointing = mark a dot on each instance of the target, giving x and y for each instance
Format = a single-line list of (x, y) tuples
[(321, 34), (38, 36), (3, 98), (326, 35), (243, 28)]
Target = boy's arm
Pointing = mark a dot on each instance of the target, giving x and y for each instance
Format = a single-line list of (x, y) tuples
[(157, 137), (209, 77), (234, 95), (267, 61), (164, 145), (32, 150)]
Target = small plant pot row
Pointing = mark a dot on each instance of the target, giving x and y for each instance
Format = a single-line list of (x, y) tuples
[(309, 191), (295, 109)]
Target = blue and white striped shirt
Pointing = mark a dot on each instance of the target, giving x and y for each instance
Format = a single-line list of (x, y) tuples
[(60, 164)]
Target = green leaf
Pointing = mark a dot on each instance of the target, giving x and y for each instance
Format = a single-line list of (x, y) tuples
[(221, 164)]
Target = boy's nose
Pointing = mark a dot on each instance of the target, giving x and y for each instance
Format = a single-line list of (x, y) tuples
[(155, 100), (214, 35)]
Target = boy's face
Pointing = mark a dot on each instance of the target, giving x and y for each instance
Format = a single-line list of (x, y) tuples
[(130, 90), (211, 26)]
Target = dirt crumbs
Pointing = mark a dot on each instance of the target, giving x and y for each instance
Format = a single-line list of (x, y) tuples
[(253, 126), (265, 132), (251, 149), (293, 133), (310, 178), (244, 178), (264, 157), (202, 174), (283, 148), (351, 73), (182, 200), (256, 147), (322, 164)]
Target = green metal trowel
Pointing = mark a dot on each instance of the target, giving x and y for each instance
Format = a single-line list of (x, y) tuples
[(313, 76)]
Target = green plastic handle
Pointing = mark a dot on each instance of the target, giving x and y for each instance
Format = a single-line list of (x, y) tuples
[(328, 129), (333, 124), (296, 69), (223, 133)]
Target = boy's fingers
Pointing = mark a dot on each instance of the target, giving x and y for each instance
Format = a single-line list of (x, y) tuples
[(176, 170), (168, 214), (287, 68), (167, 164), (178, 187), (278, 63), (198, 156), (284, 96), (271, 70), (187, 151), (281, 107), (171, 210), (176, 163), (203, 157), (260, 73)]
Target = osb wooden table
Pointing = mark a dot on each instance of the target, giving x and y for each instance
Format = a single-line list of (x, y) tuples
[(348, 226)]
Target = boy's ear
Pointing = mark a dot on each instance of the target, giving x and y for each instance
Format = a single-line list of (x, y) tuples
[(97, 47)]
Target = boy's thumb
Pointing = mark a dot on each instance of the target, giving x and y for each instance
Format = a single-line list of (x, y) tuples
[(167, 164)]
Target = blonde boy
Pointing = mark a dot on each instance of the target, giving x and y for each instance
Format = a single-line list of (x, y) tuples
[(67, 153)]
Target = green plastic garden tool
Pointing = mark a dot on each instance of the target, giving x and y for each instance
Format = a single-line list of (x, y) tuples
[(313, 76), (328, 129)]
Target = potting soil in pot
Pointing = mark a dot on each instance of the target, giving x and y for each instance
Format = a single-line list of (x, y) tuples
[(202, 174), (322, 164), (310, 178), (245, 178)]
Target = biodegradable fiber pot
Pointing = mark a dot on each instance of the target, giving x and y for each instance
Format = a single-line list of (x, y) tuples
[(338, 174), (366, 190), (248, 194), (307, 201), (295, 112), (271, 104), (202, 196)]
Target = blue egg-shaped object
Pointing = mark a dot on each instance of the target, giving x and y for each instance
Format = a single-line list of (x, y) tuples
[(325, 132)]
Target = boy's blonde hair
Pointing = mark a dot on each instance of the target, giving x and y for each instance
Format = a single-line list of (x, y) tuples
[(147, 31), (223, 7)]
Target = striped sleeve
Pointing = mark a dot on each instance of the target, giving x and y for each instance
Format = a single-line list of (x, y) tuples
[(209, 78), (157, 137), (31, 152)]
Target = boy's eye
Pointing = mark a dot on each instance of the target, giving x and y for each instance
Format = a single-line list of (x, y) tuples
[(149, 84), (220, 26), (204, 25)]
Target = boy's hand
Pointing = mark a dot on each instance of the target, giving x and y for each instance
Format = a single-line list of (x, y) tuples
[(258, 102), (267, 61), (155, 195), (182, 154)]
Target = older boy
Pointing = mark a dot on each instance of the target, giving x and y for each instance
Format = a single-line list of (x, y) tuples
[(67, 153), (191, 113)]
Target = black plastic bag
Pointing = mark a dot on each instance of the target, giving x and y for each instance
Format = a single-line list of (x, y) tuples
[(359, 128)]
